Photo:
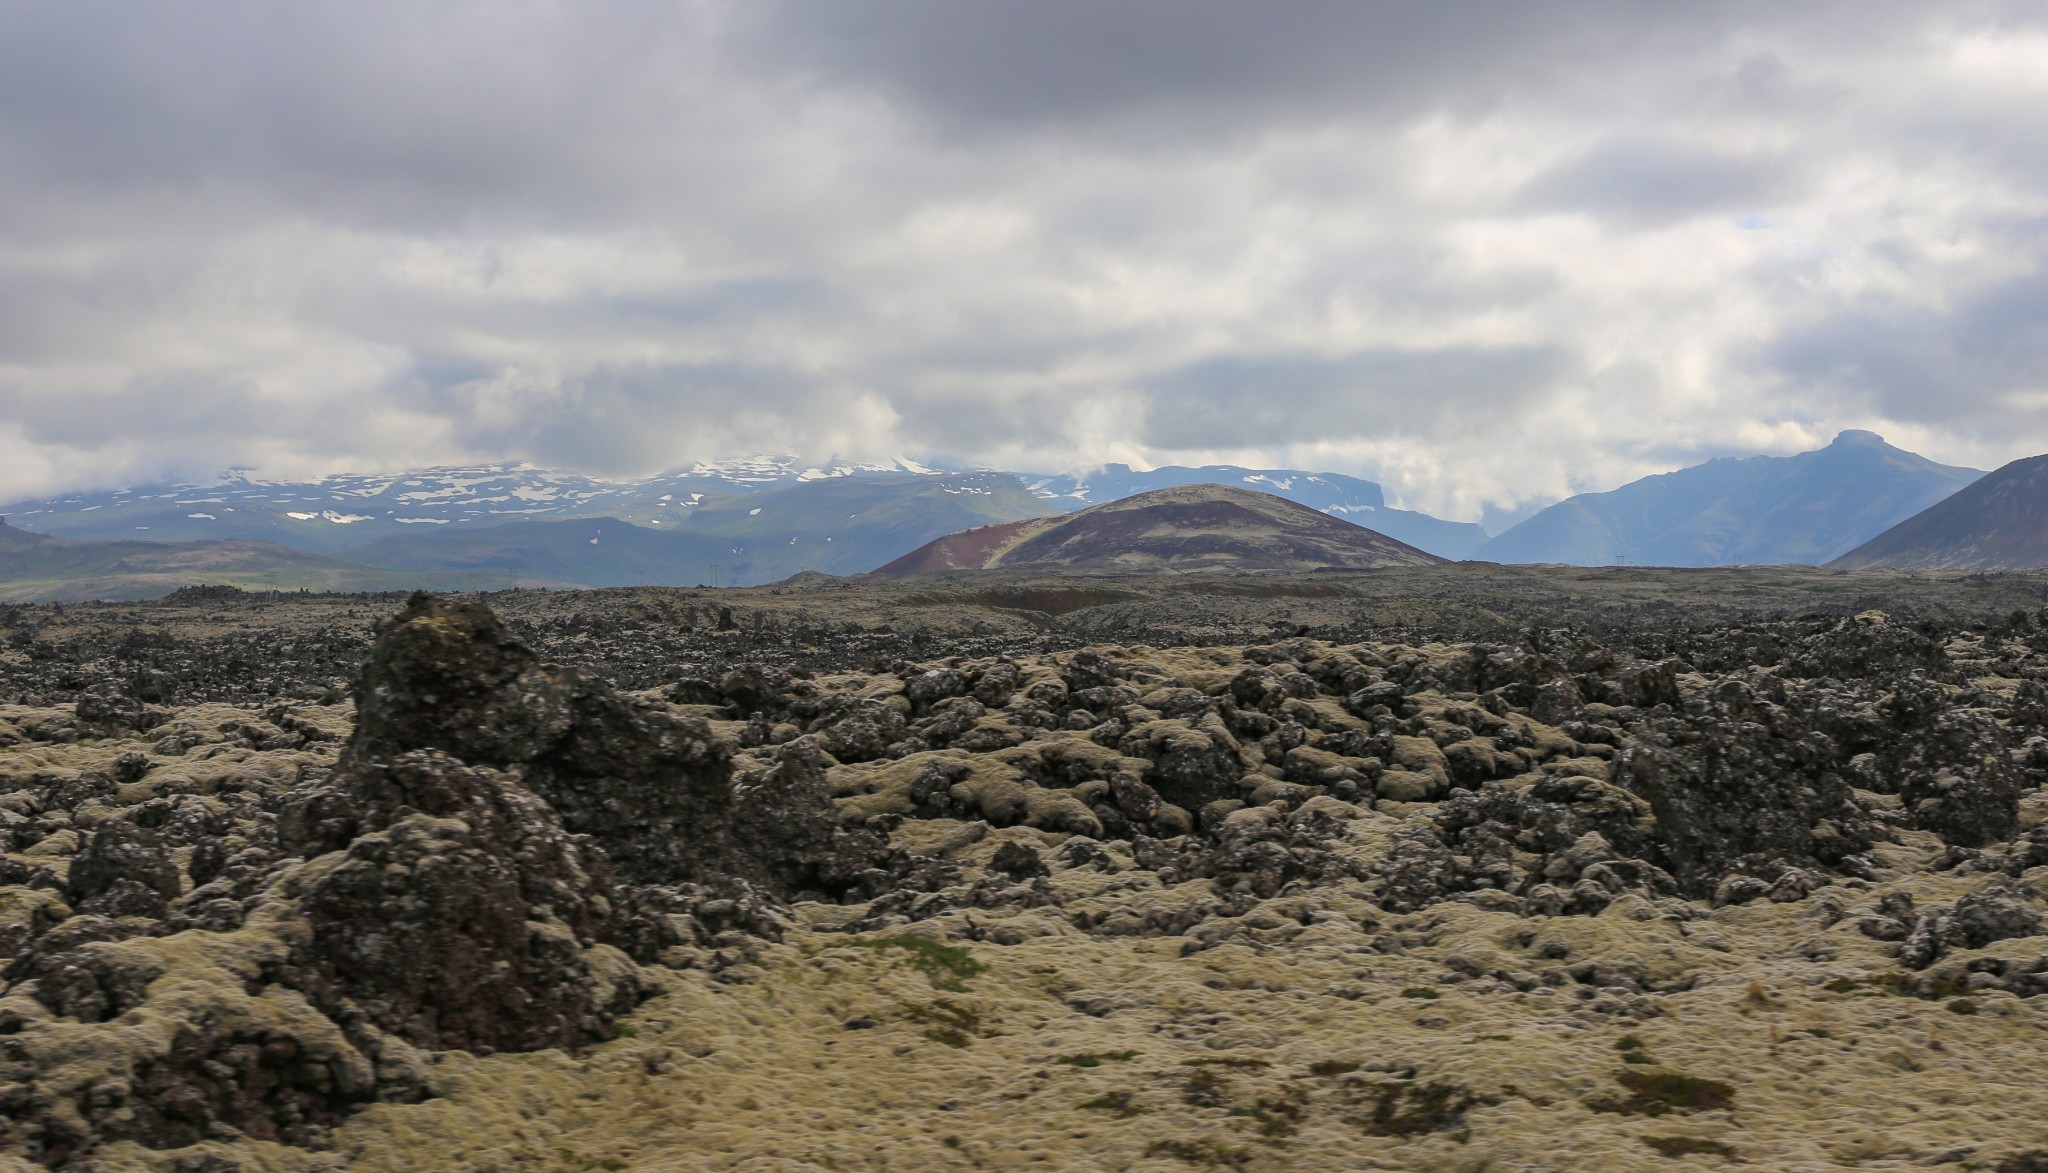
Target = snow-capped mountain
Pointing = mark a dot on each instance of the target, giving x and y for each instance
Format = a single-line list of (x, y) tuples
[(351, 509)]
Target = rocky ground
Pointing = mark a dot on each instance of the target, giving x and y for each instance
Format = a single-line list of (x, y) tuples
[(1374, 873)]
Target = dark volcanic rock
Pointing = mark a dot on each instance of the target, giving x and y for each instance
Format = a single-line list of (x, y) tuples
[(76, 978), (1735, 780), (448, 885), (652, 788), (463, 918), (1956, 776), (123, 871)]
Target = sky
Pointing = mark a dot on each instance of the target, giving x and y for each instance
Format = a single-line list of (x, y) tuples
[(1487, 253)]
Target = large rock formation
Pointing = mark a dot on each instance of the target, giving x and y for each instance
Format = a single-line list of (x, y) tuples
[(449, 886), (652, 788)]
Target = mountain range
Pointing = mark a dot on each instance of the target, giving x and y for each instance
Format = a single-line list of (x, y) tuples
[(737, 522), (835, 526), (349, 510), (764, 518), (1759, 510)]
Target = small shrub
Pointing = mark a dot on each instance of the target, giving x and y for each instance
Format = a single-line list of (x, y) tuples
[(1410, 1109), (1213, 1154), (1420, 992), (1204, 1089), (1277, 1118), (947, 1022), (1927, 989), (1962, 1006), (1119, 1103), (1653, 1093), (1095, 1058), (1331, 1068), (1679, 1146)]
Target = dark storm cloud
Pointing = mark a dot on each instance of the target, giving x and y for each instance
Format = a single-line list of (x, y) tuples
[(1209, 65), (374, 112)]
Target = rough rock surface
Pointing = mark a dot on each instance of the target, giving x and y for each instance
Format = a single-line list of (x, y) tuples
[(1286, 903), (653, 788), (396, 901)]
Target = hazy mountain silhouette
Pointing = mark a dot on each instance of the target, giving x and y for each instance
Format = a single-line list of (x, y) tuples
[(1765, 510), (1998, 523)]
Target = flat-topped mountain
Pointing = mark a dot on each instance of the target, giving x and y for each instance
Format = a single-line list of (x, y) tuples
[(1186, 527), (1759, 510), (1999, 523)]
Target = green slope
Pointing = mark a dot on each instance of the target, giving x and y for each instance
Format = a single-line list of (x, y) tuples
[(39, 568)]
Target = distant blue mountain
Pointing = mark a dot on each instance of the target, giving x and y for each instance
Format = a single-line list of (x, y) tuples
[(1354, 500), (1759, 510)]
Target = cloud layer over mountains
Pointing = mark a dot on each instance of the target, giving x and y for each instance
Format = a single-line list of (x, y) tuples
[(1477, 251)]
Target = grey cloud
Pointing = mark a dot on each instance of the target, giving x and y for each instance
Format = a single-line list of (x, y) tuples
[(1238, 400), (1956, 366), (631, 235), (1652, 181), (1208, 65), (376, 112), (626, 418)]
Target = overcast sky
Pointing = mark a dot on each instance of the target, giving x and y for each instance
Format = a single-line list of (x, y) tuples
[(1480, 251)]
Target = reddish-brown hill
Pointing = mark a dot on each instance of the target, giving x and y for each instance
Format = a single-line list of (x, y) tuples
[(1187, 527)]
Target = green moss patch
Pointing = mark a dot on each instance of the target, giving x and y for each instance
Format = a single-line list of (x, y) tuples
[(1413, 1109), (947, 967)]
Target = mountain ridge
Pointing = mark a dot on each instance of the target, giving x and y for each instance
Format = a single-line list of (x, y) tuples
[(345, 510), (1758, 510), (1999, 522), (41, 568)]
